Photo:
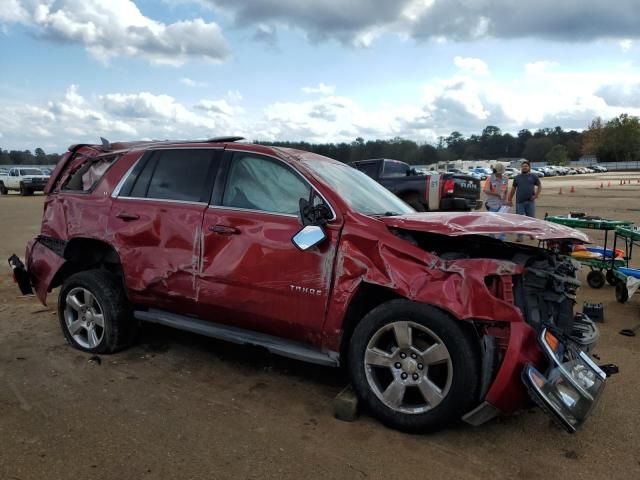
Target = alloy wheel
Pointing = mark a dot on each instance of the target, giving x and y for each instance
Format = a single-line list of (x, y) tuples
[(408, 367), (84, 317)]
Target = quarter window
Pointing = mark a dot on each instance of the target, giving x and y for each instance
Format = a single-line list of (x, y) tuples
[(256, 183)]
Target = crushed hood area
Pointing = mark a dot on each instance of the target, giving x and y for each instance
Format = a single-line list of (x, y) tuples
[(455, 224)]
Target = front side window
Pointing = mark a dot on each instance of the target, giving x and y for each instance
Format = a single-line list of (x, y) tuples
[(181, 175), (256, 183)]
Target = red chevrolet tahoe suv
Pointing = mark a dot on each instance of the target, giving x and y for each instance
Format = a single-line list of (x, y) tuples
[(434, 318)]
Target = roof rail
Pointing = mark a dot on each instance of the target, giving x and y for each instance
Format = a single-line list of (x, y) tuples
[(224, 139)]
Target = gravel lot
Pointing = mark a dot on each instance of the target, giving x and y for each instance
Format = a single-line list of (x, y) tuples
[(181, 406)]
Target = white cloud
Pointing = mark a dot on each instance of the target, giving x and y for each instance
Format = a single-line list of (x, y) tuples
[(471, 65), (118, 28), (321, 88), (360, 22), (222, 107), (541, 66), (626, 44), (463, 102), (193, 83)]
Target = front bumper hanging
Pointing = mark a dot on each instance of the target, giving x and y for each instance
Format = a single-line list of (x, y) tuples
[(572, 385)]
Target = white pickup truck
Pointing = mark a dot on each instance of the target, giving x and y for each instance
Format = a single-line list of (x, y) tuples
[(24, 180)]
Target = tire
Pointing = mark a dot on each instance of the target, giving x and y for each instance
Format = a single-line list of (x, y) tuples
[(622, 294), (24, 191), (596, 279), (611, 278), (417, 206), (3, 189), (414, 201), (109, 307), (430, 392)]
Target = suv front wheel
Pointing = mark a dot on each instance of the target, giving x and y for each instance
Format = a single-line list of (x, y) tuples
[(94, 313), (413, 366)]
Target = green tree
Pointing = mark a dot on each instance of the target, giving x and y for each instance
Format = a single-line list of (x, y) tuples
[(621, 138), (536, 149), (557, 155)]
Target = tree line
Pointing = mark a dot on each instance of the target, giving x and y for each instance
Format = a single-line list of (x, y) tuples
[(25, 157), (614, 140)]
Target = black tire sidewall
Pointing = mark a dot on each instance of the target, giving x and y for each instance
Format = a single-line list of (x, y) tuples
[(622, 294), (596, 279), (464, 352), (115, 309)]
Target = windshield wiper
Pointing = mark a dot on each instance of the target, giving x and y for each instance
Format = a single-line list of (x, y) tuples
[(385, 214)]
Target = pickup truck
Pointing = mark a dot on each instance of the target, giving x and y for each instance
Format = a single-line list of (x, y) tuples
[(24, 180), (442, 191)]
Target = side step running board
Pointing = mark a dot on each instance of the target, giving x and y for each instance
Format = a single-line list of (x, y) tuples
[(276, 345)]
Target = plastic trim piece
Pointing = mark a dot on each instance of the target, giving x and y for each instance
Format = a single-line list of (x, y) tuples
[(276, 345)]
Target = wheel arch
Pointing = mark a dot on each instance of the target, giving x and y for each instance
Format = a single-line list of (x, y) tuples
[(82, 254)]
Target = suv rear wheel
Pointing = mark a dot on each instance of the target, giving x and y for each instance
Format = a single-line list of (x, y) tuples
[(3, 189), (413, 366), (94, 313)]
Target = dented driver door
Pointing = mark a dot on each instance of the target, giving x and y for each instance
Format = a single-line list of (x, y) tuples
[(252, 274), (156, 225)]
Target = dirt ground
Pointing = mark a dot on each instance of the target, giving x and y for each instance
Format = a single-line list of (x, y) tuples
[(181, 406)]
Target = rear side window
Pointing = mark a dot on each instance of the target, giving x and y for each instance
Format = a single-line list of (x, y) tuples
[(371, 169), (394, 169), (183, 175)]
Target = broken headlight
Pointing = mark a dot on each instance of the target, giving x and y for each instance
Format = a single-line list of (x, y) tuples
[(571, 387)]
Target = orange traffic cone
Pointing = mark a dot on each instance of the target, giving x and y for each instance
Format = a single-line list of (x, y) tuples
[(572, 190), (560, 191)]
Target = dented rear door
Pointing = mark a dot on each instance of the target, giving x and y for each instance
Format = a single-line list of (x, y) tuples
[(155, 224)]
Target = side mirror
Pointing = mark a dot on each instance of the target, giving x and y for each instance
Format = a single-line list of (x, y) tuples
[(310, 215), (308, 237)]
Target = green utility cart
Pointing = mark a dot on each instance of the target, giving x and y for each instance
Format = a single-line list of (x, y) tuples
[(596, 278), (630, 235)]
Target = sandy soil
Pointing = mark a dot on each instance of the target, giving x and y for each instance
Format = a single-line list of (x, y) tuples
[(181, 406)]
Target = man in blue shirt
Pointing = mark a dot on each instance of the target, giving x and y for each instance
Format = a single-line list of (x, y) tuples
[(527, 188)]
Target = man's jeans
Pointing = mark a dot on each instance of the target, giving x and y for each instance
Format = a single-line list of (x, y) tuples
[(527, 208)]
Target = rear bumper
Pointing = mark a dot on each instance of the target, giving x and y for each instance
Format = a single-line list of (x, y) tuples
[(42, 264), (460, 204)]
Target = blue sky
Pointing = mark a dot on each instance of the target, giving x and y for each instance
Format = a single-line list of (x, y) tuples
[(322, 70)]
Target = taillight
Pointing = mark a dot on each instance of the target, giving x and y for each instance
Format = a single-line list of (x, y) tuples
[(449, 186)]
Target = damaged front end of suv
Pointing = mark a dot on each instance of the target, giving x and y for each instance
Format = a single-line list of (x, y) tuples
[(544, 347)]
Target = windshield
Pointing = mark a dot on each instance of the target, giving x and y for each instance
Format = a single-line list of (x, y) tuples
[(362, 193), (30, 171)]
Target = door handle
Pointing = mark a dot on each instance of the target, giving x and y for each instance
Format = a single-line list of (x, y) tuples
[(127, 217), (224, 230)]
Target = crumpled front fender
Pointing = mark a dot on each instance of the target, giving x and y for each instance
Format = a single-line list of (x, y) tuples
[(42, 265)]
